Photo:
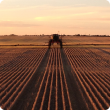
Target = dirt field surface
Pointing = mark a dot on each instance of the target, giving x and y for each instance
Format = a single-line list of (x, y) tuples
[(43, 40), (72, 78)]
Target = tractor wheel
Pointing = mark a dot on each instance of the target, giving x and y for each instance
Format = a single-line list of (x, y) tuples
[(60, 43), (49, 44)]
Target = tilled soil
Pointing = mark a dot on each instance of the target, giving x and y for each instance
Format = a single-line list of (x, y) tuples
[(51, 86), (50, 91), (56, 79)]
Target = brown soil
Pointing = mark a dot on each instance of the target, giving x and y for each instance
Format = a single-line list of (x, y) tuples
[(55, 79)]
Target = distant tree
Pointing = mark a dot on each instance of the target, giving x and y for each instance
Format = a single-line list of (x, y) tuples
[(12, 35), (77, 34)]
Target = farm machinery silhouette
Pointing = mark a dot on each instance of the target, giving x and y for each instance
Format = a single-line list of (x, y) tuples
[(55, 38)]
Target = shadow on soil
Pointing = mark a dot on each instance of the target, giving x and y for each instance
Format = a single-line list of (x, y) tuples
[(26, 98), (77, 100)]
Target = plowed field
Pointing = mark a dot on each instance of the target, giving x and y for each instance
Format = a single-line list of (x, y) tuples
[(55, 79)]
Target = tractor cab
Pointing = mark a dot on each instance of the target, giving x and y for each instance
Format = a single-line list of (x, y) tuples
[(55, 39)]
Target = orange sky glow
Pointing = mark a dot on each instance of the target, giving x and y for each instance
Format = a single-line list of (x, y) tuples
[(41, 17)]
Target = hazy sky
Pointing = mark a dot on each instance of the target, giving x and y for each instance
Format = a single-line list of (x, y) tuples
[(50, 16)]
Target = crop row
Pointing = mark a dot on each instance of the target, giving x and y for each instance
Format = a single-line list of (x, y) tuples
[(7, 54), (16, 74), (93, 76), (53, 90)]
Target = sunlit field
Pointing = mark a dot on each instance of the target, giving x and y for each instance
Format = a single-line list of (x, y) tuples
[(34, 77), (43, 40)]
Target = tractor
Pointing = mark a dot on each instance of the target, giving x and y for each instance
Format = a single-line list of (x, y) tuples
[(55, 39)]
